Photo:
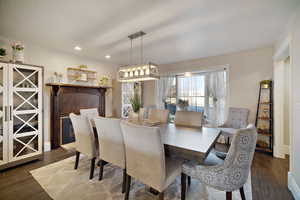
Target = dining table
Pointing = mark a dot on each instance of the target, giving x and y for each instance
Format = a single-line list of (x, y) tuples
[(189, 143)]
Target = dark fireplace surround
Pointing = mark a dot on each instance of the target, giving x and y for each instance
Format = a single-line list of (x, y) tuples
[(66, 99)]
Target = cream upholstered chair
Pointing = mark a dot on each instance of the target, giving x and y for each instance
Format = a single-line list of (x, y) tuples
[(90, 114), (237, 119), (234, 172), (111, 142), (84, 140), (159, 115), (145, 158), (188, 118)]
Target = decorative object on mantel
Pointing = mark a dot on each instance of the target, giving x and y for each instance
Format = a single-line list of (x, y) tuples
[(140, 72), (104, 81), (2, 53), (17, 52), (82, 75)]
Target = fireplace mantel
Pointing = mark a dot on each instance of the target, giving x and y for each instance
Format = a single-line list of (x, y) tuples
[(70, 98)]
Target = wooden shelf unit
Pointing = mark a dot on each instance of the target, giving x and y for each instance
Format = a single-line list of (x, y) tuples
[(264, 117)]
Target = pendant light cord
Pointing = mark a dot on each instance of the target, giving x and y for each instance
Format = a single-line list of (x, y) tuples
[(130, 51), (142, 53)]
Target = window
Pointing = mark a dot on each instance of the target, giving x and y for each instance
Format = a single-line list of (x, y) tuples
[(191, 93), (202, 92), (128, 90)]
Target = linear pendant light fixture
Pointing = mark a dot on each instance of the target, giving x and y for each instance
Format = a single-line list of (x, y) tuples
[(140, 72)]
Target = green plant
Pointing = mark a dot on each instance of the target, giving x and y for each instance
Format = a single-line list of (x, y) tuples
[(2, 52), (136, 102)]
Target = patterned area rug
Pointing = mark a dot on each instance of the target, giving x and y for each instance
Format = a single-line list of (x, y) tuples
[(62, 182)]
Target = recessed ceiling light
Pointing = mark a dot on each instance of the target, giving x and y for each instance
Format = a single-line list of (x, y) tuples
[(187, 74), (77, 48), (107, 56)]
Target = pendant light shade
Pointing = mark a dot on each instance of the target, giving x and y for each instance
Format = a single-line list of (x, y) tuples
[(141, 72)]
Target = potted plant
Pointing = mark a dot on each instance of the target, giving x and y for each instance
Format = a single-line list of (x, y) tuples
[(2, 53), (18, 52), (183, 104), (136, 104)]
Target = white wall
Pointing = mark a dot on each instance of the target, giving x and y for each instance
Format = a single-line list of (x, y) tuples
[(294, 37), (56, 61), (246, 70)]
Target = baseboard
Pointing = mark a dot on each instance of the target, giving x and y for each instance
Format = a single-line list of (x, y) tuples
[(281, 151), (286, 149), (47, 146), (293, 187)]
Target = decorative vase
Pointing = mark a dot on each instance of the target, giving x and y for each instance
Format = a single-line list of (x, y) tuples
[(18, 56)]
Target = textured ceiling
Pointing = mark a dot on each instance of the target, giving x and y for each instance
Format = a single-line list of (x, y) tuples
[(176, 29)]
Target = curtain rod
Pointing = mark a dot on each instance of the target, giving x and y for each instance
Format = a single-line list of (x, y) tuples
[(222, 68)]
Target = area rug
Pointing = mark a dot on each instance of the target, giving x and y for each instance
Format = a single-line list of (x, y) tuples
[(62, 182)]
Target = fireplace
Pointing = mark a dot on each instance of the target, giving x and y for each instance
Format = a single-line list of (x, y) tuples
[(66, 99), (67, 132)]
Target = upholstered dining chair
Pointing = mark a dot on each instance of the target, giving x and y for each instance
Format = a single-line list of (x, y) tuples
[(112, 148), (237, 118), (159, 115), (145, 158), (90, 114), (234, 172), (188, 118), (84, 140)]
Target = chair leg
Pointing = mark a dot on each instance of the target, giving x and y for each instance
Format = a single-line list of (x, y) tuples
[(92, 168), (189, 180), (228, 195), (128, 182), (77, 159), (183, 186), (101, 163), (228, 140), (242, 193), (161, 196), (124, 181)]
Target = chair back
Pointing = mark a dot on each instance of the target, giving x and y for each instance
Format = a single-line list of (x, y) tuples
[(237, 118), (84, 135), (111, 142), (90, 114), (159, 115), (240, 155), (188, 118), (145, 158)]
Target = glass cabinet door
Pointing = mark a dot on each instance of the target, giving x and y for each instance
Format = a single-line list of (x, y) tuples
[(25, 111), (3, 116)]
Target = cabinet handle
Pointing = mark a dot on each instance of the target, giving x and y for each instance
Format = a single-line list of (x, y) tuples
[(5, 113), (10, 113)]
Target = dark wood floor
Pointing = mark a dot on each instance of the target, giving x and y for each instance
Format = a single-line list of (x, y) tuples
[(269, 178)]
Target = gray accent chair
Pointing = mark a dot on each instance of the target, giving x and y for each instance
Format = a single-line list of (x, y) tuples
[(111, 145), (237, 118), (84, 140), (145, 158), (234, 172)]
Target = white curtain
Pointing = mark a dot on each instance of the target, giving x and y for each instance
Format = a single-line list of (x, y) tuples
[(162, 90), (216, 94)]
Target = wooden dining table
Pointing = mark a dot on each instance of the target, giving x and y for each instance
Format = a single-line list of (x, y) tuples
[(189, 142)]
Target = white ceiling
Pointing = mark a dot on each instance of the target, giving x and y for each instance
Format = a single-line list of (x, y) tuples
[(176, 29)]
